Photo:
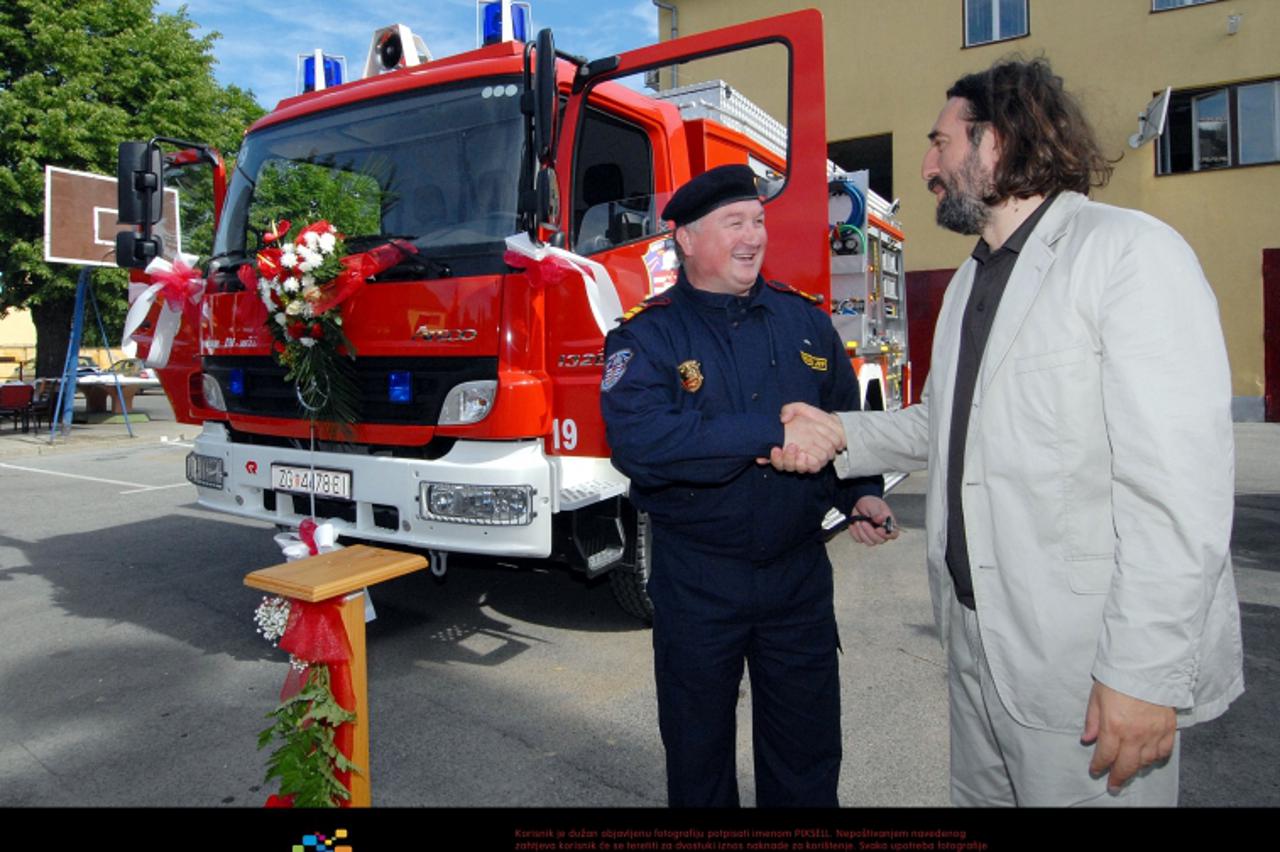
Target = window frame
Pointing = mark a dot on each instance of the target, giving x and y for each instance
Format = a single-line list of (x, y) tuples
[(1192, 96), (995, 28), (1157, 9)]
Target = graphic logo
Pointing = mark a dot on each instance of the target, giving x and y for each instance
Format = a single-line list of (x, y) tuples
[(251, 467), (321, 843), (813, 362), (690, 375), (614, 368), (661, 265)]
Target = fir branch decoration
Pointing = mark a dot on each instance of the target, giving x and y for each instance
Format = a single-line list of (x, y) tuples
[(307, 760)]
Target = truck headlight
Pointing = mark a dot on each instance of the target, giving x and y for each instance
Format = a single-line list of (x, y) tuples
[(205, 471), (496, 505), (469, 402), (212, 393)]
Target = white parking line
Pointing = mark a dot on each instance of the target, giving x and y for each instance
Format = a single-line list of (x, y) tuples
[(133, 487), (72, 475), (155, 488)]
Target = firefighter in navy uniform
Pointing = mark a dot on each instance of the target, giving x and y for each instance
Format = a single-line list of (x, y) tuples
[(693, 385)]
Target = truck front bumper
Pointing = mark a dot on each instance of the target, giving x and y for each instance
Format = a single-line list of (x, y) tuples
[(386, 492)]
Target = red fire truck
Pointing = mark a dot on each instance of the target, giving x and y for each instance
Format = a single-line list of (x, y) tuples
[(479, 358)]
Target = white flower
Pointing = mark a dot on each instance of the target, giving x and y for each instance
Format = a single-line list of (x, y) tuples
[(282, 319), (272, 616), (291, 285), (294, 308), (311, 238), (308, 342), (337, 320), (310, 260), (310, 292), (308, 281), (327, 242), (287, 258), (307, 310)]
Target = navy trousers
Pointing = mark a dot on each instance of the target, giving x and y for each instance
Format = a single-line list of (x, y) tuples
[(710, 615)]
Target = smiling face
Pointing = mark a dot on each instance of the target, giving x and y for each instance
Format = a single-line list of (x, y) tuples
[(959, 173), (724, 250)]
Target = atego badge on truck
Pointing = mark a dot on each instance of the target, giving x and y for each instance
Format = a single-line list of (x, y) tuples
[(528, 183)]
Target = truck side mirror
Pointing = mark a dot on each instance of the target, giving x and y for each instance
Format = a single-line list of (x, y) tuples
[(139, 177), (545, 112)]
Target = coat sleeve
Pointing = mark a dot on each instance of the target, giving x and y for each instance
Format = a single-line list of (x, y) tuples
[(1166, 392), (885, 441), (657, 443), (844, 395)]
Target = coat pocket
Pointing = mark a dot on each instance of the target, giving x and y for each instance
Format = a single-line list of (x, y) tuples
[(1049, 360), (1090, 576)]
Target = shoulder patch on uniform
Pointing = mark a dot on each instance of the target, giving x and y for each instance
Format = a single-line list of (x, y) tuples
[(651, 302), (782, 287), (614, 368)]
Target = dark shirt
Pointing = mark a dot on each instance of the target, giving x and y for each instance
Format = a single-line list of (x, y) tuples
[(690, 444), (989, 279)]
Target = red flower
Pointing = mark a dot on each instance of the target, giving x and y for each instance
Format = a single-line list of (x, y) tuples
[(278, 346), (317, 330), (269, 262), (317, 228), (296, 330), (277, 232), (274, 801)]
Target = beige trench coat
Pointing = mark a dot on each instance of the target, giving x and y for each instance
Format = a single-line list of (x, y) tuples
[(1099, 471)]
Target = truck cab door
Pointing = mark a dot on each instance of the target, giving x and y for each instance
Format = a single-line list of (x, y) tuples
[(797, 214)]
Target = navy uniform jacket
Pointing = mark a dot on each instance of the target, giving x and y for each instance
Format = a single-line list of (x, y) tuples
[(692, 389)]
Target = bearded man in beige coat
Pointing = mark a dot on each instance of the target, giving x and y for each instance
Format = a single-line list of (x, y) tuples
[(1076, 427)]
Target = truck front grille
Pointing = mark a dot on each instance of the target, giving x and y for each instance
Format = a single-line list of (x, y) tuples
[(267, 394)]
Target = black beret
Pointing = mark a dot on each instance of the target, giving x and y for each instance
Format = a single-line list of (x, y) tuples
[(709, 190)]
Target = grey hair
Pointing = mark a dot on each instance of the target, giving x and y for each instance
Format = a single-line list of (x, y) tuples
[(692, 226)]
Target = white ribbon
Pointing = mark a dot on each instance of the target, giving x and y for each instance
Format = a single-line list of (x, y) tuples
[(167, 323), (602, 293)]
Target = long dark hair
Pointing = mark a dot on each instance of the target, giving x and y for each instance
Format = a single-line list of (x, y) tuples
[(1047, 144)]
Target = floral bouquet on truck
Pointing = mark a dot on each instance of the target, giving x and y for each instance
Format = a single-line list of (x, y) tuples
[(303, 284)]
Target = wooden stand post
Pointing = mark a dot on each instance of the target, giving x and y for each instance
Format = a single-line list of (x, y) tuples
[(345, 572)]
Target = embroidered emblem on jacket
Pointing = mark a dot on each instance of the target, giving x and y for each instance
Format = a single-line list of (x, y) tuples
[(813, 362), (690, 375), (614, 368)]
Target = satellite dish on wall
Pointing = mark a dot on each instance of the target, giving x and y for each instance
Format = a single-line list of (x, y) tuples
[(1151, 120)]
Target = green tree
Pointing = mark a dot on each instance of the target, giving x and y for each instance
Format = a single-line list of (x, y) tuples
[(77, 77)]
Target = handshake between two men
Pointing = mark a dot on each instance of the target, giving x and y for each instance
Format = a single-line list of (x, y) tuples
[(811, 439)]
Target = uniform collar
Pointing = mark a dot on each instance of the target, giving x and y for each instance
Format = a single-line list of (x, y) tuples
[(720, 301)]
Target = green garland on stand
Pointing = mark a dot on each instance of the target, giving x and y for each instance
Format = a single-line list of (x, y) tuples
[(307, 760)]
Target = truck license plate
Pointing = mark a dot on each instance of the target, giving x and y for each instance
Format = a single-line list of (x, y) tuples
[(304, 480)]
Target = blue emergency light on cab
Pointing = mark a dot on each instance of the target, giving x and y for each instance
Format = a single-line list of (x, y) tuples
[(235, 381), (491, 28)]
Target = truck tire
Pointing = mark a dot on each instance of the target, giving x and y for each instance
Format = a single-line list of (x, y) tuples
[(630, 579)]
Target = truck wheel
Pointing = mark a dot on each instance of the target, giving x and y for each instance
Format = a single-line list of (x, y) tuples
[(630, 578)]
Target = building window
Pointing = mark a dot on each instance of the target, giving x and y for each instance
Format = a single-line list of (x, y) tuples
[(986, 21), (1221, 128), (1162, 5)]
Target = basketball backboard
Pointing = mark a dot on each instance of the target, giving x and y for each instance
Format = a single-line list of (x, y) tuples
[(80, 219)]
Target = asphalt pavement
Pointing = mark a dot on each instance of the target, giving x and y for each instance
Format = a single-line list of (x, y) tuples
[(131, 674)]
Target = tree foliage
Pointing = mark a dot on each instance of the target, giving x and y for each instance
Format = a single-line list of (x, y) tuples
[(77, 77)]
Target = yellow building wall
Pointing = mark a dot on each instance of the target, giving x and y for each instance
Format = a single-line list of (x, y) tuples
[(890, 62)]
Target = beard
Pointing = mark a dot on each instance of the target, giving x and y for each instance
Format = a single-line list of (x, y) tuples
[(962, 208)]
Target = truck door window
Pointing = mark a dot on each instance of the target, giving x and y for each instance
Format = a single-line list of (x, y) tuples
[(613, 199)]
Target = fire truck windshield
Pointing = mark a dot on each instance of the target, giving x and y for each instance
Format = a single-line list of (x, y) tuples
[(439, 167)]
